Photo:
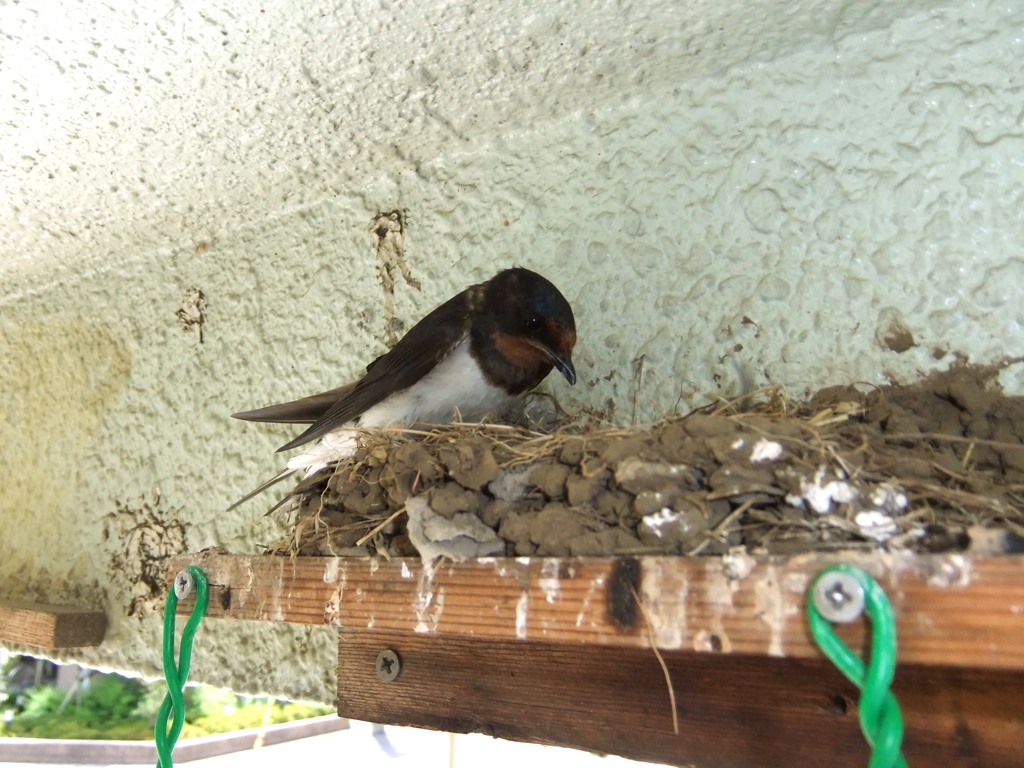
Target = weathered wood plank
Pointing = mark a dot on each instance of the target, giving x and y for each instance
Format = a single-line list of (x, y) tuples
[(734, 711), (50, 626), (951, 610)]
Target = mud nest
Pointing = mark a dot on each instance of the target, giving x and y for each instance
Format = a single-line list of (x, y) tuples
[(930, 467)]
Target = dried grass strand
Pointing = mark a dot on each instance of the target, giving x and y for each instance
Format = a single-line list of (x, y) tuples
[(661, 660)]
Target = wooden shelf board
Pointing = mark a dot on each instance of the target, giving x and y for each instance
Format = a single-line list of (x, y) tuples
[(734, 711), (50, 626), (951, 610)]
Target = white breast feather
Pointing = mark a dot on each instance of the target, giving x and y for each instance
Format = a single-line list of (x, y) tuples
[(455, 383)]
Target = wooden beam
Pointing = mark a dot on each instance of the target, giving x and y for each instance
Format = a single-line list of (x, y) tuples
[(734, 711), (951, 610), (50, 626)]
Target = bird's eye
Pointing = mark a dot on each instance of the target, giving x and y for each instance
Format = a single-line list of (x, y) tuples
[(534, 323)]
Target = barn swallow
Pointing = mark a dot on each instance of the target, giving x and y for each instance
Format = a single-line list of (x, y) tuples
[(474, 355)]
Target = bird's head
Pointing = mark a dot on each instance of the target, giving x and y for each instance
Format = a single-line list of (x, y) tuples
[(533, 324)]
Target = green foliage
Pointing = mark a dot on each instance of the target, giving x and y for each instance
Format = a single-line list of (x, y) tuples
[(251, 714), (150, 702), (198, 698), (103, 711), (206, 701), (6, 670), (73, 724), (41, 701), (111, 698), (114, 707)]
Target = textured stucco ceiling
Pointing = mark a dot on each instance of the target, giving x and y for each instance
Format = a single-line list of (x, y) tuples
[(129, 126), (731, 193)]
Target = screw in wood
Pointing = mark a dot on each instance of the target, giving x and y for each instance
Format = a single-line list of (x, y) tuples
[(388, 665), (839, 597), (183, 585)]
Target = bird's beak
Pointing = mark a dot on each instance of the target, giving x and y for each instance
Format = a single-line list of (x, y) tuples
[(562, 362), (565, 367)]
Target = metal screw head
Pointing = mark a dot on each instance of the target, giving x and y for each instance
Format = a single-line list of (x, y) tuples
[(388, 665), (183, 585), (839, 597)]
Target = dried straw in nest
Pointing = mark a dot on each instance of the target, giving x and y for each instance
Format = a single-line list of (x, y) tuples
[(926, 467)]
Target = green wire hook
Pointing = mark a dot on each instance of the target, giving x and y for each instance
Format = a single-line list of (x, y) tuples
[(177, 675), (841, 593)]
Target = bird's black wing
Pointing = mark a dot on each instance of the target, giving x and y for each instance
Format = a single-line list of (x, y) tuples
[(412, 358), (303, 411)]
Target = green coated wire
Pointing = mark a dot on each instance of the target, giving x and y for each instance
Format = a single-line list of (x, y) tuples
[(177, 674), (880, 718)]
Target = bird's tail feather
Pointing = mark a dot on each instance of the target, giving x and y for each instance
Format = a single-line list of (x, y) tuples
[(288, 472), (303, 411), (286, 498)]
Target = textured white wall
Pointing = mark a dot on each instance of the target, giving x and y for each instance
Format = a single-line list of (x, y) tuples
[(736, 191)]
